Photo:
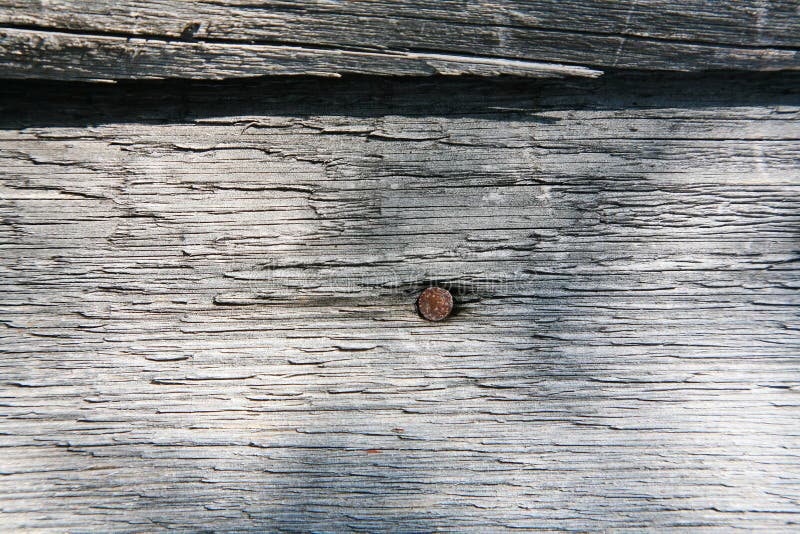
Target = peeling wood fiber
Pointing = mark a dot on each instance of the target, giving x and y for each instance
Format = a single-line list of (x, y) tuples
[(141, 39), (208, 322)]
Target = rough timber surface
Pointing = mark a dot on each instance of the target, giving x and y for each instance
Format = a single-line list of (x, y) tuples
[(208, 323), (86, 39)]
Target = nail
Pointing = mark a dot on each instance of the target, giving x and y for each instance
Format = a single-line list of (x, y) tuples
[(435, 303)]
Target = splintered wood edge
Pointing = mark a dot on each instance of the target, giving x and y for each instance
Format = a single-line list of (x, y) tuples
[(65, 56)]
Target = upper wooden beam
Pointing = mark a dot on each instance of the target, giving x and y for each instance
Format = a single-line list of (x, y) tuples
[(132, 39)]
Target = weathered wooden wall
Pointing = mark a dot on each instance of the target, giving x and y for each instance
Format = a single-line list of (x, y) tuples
[(208, 288), (207, 300)]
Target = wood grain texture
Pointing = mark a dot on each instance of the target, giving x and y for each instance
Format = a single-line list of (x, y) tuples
[(208, 305), (61, 56), (85, 39)]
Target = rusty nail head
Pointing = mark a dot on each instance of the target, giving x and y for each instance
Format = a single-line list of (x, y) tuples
[(435, 303)]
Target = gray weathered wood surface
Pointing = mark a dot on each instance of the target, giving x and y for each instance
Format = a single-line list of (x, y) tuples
[(101, 39), (208, 304)]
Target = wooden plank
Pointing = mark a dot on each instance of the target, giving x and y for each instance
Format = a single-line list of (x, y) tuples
[(175, 38), (209, 323), (32, 54)]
